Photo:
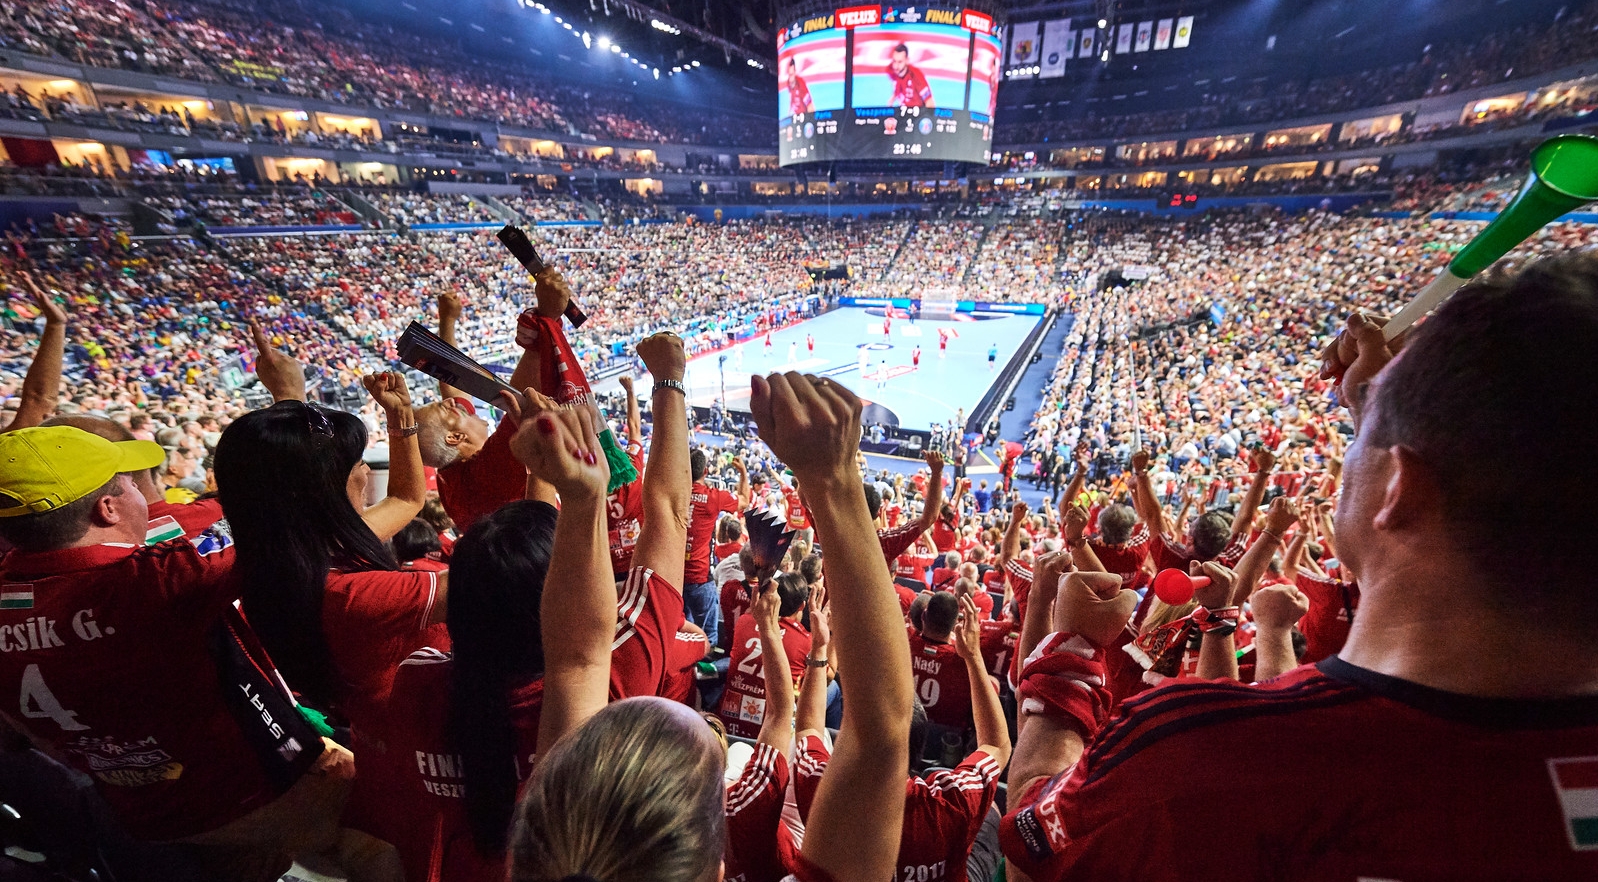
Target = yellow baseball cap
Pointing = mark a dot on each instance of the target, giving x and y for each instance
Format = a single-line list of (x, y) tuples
[(45, 468)]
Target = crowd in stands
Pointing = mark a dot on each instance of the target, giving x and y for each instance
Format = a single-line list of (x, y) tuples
[(944, 675), (544, 207), (1017, 256), (420, 208), (282, 206), (325, 53), (1446, 68), (933, 260)]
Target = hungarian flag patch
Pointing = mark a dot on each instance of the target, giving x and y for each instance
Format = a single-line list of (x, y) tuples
[(16, 595), (1576, 780)]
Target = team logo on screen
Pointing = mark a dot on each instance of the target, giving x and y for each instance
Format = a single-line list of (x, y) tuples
[(810, 130), (890, 126), (926, 126)]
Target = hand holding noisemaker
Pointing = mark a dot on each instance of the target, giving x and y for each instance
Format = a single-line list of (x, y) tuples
[(521, 248)]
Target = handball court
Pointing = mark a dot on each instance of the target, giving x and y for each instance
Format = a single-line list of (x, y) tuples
[(910, 396)]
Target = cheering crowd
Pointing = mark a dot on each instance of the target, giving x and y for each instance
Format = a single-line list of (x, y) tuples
[(764, 662)]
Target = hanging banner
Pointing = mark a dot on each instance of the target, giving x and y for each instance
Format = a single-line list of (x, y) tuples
[(1057, 46), (1024, 44), (1184, 32), (1145, 33), (1084, 41), (1123, 39), (1162, 34)]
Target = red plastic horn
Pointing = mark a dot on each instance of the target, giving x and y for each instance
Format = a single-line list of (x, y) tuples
[(1176, 587)]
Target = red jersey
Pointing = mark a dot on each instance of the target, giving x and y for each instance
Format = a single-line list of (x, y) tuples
[(705, 506), (1125, 560), (1332, 605), (1020, 576), (798, 515), (945, 534), (1170, 554), (754, 816), (944, 578), (799, 99), (894, 541), (941, 681), (743, 703), (195, 517), (372, 621), (108, 648), (734, 603), (1353, 775), (907, 597), (982, 599), (475, 487), (411, 789), (998, 647), (624, 515), (913, 564), (943, 812), (649, 614), (911, 89)]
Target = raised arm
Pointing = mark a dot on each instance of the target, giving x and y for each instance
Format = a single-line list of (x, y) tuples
[(407, 483), (667, 479), (1218, 649), (993, 733), (1281, 516), (1082, 554), (42, 384), (277, 370), (854, 826), (553, 294), (776, 729), (578, 612), (635, 422), (449, 313), (1144, 500), (1276, 609), (743, 482), (934, 500), (1262, 461), (1010, 546), (1079, 478), (811, 718)]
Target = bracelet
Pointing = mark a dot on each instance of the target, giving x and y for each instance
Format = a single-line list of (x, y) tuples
[(671, 384), (404, 431), (1221, 621), (1266, 531), (813, 662)]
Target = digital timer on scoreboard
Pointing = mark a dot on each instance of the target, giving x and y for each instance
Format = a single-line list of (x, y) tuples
[(886, 82)]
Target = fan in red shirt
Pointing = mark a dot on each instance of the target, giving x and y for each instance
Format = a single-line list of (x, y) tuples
[(476, 471), (793, 500), (946, 530), (1422, 750), (910, 86), (939, 671), (705, 506), (743, 703), (109, 643), (445, 802), (944, 811), (624, 510), (895, 540)]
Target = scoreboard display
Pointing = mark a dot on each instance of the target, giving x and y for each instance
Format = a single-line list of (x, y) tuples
[(888, 82)]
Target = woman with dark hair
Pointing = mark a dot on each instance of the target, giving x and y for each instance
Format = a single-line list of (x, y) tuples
[(634, 790), (320, 588), (460, 730), (417, 547)]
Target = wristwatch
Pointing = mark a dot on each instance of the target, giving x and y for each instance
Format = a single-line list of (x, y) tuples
[(404, 431), (815, 662), (671, 384)]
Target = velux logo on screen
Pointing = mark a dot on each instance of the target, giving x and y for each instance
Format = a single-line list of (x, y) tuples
[(976, 21), (859, 16)]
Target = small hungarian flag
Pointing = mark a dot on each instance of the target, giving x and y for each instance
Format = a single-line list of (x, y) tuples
[(16, 595), (161, 529), (1576, 779)]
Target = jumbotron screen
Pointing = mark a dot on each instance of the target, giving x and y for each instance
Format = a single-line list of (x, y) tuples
[(888, 82)]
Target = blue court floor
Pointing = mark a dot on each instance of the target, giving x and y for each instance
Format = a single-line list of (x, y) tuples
[(916, 396)]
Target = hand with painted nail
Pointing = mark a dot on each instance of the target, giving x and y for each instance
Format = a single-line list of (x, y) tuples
[(558, 445)]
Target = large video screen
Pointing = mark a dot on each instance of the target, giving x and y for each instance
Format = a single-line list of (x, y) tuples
[(888, 82)]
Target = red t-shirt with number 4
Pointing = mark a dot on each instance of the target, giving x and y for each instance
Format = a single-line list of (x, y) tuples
[(943, 812), (743, 703), (104, 657), (754, 819)]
